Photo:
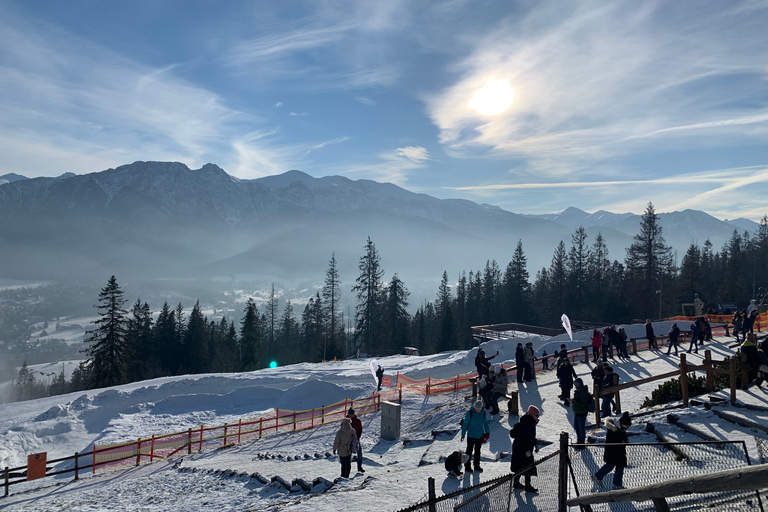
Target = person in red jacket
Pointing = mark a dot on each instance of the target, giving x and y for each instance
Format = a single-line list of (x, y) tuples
[(357, 426)]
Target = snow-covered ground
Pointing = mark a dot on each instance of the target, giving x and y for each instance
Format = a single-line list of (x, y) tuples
[(396, 471)]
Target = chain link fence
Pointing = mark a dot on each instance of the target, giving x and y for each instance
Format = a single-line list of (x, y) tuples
[(651, 463), (762, 449)]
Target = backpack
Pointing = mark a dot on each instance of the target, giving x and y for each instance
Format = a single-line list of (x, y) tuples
[(354, 444), (591, 404), (515, 430)]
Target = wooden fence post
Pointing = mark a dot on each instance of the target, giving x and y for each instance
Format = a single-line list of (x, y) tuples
[(77, 466), (634, 346), (586, 353), (294, 420), (431, 493), (596, 394), (710, 373), (732, 378), (224, 441), (277, 414), (261, 419), (200, 448), (684, 379), (618, 393), (152, 449), (239, 429), (6, 478), (429, 382), (138, 452), (189, 441), (93, 464), (562, 477)]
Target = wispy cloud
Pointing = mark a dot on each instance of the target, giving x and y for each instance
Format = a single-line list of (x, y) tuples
[(393, 167), (413, 153), (365, 100), (594, 81), (278, 104)]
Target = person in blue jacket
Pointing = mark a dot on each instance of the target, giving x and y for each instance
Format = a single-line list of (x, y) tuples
[(474, 427)]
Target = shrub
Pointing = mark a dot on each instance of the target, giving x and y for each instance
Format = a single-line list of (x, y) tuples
[(672, 390)]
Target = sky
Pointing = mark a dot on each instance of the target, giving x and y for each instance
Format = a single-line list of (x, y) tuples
[(612, 104)]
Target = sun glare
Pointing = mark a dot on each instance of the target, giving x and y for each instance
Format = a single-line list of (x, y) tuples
[(494, 98)]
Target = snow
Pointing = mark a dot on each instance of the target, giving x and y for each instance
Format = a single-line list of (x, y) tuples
[(396, 471)]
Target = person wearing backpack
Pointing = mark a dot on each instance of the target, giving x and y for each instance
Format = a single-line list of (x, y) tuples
[(341, 445), (615, 455), (581, 405), (474, 427), (357, 426)]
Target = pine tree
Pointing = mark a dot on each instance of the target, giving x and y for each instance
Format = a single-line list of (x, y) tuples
[(516, 289), (107, 341), (396, 317), (250, 338), (144, 360), (368, 289), (690, 280), (164, 334), (288, 337), (314, 338), (196, 342), (330, 304), (491, 287), (463, 326), (272, 321), (577, 265), (558, 285), (734, 287), (444, 316), (25, 383), (648, 264)]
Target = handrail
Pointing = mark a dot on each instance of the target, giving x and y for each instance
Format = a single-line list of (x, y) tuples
[(746, 478)]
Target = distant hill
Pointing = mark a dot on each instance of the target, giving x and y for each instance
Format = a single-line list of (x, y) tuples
[(162, 219)]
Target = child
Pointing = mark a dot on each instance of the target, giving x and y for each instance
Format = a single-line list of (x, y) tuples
[(615, 455), (454, 462), (544, 360)]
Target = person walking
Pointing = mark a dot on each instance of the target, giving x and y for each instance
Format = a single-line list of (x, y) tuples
[(581, 400), (597, 342), (738, 322), (454, 461), (674, 334), (650, 335), (499, 390), (523, 446), (695, 332), (615, 455), (566, 374), (609, 379), (341, 446), (474, 426), (357, 426)]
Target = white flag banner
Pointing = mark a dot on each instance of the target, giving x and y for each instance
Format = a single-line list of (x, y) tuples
[(566, 325), (374, 364)]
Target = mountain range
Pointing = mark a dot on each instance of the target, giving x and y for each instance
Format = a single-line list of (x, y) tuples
[(162, 219)]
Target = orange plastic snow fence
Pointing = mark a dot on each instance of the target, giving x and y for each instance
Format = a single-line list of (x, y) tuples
[(36, 465)]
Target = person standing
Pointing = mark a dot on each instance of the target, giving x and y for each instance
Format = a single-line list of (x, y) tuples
[(606, 344), (615, 455), (475, 425), (623, 342), (566, 374), (357, 426), (523, 446), (530, 360), (485, 390), (674, 334), (597, 342), (520, 362), (581, 399), (609, 380), (341, 446), (380, 377), (483, 363), (613, 336), (738, 321), (544, 360), (650, 335), (749, 323)]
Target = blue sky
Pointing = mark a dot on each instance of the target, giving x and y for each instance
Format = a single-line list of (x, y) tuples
[(615, 103)]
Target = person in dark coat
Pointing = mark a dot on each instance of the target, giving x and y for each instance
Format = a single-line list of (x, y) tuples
[(749, 323), (597, 374), (487, 388), (483, 363), (530, 360), (613, 335), (581, 399), (544, 360), (615, 455), (673, 334), (738, 322), (520, 362), (606, 344), (380, 377), (597, 342), (650, 335), (695, 332), (357, 426), (623, 343), (523, 447), (609, 379), (454, 462), (566, 374)]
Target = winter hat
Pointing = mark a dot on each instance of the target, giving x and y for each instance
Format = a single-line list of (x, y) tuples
[(532, 409), (346, 421), (464, 458), (478, 406), (578, 383), (350, 412), (624, 421), (606, 364)]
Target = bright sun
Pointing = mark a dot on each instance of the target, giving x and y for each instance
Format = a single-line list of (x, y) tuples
[(494, 98)]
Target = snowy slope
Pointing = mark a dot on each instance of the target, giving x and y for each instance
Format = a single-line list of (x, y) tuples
[(396, 472)]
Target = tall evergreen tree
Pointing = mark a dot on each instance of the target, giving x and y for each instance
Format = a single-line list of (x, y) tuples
[(446, 334), (462, 315), (288, 337), (144, 359), (648, 265), (107, 340), (368, 289), (196, 342), (578, 263), (396, 317), (164, 334), (331, 297), (691, 280), (250, 338), (272, 320), (314, 338), (491, 287), (558, 285), (516, 294)]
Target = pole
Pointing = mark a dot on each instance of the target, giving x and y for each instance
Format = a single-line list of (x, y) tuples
[(431, 492), (6, 478), (684, 379), (189, 441), (77, 466), (562, 480)]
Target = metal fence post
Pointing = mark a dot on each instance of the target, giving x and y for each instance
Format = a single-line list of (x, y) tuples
[(432, 496), (77, 466), (562, 479), (7, 477), (710, 374), (684, 379)]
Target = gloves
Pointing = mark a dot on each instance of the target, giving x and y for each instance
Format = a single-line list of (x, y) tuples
[(528, 453)]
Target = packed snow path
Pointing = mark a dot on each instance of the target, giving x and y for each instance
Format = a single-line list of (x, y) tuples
[(241, 477)]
